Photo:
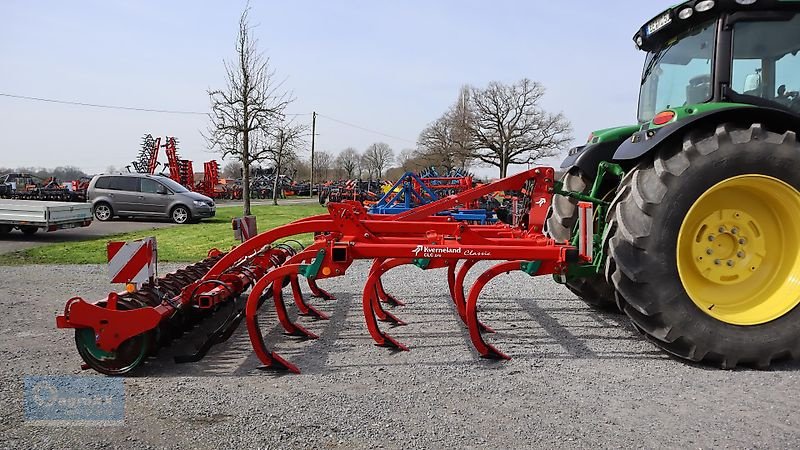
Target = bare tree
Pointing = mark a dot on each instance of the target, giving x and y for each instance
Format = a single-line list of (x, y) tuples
[(405, 157), (363, 166), (511, 127), (348, 161), (322, 165), (232, 170), (280, 146), (437, 146), (378, 156), (447, 142), (251, 101), (300, 169)]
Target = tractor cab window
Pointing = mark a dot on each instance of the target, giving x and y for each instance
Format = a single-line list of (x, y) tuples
[(679, 73), (766, 60)]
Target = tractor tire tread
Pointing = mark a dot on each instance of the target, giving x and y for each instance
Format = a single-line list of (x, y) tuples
[(641, 275)]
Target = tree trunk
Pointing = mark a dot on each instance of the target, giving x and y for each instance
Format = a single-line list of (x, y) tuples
[(275, 182), (246, 174)]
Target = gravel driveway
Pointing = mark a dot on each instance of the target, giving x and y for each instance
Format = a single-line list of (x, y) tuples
[(578, 378)]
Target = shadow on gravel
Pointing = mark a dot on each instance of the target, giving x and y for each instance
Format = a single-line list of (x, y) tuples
[(527, 329), (235, 357)]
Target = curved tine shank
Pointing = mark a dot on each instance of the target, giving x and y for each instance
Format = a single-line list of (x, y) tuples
[(486, 350), (304, 308), (458, 293), (270, 359), (292, 328), (382, 294), (369, 300), (317, 291), (458, 288), (451, 280)]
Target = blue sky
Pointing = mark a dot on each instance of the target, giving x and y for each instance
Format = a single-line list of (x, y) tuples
[(386, 66)]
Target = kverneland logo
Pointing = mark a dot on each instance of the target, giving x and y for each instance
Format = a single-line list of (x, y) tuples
[(435, 250)]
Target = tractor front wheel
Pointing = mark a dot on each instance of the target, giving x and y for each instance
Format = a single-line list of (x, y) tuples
[(595, 291), (704, 251)]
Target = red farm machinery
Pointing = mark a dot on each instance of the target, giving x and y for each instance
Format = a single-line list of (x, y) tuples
[(116, 334), (180, 170)]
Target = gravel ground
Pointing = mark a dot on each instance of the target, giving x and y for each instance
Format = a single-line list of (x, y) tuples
[(578, 378)]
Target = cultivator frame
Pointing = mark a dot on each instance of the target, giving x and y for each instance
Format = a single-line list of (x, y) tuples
[(266, 264)]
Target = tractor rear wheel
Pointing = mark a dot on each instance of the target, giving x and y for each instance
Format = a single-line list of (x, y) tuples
[(561, 219), (704, 250)]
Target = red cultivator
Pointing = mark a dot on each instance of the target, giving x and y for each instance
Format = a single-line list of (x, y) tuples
[(114, 335)]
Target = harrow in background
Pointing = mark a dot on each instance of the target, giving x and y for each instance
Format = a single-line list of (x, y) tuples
[(180, 170), (115, 334), (26, 186)]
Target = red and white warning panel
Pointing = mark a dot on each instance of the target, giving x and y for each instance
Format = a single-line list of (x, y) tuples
[(244, 228), (132, 261)]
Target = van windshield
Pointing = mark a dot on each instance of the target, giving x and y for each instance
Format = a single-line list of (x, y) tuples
[(172, 185)]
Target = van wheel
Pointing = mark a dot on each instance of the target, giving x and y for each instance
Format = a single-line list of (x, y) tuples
[(103, 212), (5, 229), (181, 215)]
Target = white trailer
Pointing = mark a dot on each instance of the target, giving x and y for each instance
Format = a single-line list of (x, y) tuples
[(29, 216)]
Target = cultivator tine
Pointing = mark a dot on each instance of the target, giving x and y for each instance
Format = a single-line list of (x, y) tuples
[(304, 308), (372, 309), (270, 359), (382, 314), (485, 349), (451, 280), (292, 328), (385, 297), (458, 294), (318, 292), (380, 291)]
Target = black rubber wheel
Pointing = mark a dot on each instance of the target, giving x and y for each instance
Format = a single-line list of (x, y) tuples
[(561, 219), (103, 212), (29, 230), (651, 206), (180, 215), (5, 229)]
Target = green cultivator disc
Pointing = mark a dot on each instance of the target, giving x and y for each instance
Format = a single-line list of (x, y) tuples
[(127, 356)]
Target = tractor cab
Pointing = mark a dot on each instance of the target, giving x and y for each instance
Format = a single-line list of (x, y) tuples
[(715, 53)]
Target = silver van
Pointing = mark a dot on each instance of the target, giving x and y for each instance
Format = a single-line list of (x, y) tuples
[(145, 195)]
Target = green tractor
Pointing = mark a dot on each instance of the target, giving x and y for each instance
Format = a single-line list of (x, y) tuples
[(697, 206)]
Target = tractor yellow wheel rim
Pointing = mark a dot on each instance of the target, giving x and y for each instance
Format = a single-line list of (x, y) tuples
[(738, 251)]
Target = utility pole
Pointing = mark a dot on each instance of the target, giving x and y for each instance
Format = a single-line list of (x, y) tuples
[(313, 136)]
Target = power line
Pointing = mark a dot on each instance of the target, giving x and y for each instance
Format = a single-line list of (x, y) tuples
[(95, 105), (365, 129), (196, 113), (125, 108)]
